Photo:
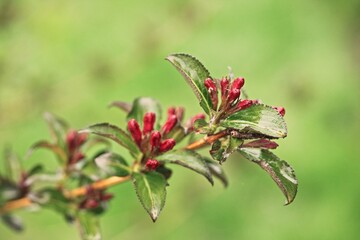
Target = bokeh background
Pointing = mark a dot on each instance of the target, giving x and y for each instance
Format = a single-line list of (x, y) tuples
[(73, 57)]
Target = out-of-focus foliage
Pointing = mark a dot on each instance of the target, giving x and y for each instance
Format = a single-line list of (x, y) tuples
[(66, 55)]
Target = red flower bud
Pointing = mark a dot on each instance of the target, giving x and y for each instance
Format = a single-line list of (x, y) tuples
[(281, 110), (261, 143), (169, 124), (238, 83), (81, 139), (167, 145), (89, 204), (155, 139), (209, 83), (106, 197), (149, 121), (211, 87), (71, 140), (196, 117), (171, 111), (134, 129), (233, 95), (244, 104), (152, 164), (224, 83)]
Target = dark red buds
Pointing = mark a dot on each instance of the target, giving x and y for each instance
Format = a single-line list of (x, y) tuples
[(167, 145), (149, 121), (244, 104), (155, 139), (211, 87), (152, 164), (238, 83), (233, 95), (281, 110), (224, 83), (135, 132), (169, 124)]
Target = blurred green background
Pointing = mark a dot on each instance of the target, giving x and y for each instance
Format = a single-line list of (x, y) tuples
[(73, 57)]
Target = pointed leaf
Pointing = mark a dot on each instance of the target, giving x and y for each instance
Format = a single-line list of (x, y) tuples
[(56, 149), (113, 164), (13, 168), (258, 119), (150, 188), (126, 107), (221, 149), (195, 74), (143, 105), (57, 127), (217, 171), (188, 159), (280, 171), (88, 225), (13, 222), (116, 134)]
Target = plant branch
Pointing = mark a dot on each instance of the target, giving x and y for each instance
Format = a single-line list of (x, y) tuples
[(206, 140), (99, 185)]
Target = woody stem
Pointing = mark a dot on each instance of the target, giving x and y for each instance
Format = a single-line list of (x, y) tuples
[(99, 185), (206, 140)]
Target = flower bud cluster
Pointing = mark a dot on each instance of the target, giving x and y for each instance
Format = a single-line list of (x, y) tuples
[(94, 198), (152, 142), (74, 141), (230, 96)]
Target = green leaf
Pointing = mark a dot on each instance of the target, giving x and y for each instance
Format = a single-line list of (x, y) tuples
[(126, 107), (56, 149), (116, 134), (188, 159), (113, 164), (143, 105), (88, 225), (217, 171), (221, 149), (280, 171), (13, 168), (13, 222), (195, 74), (150, 188), (258, 119), (57, 127)]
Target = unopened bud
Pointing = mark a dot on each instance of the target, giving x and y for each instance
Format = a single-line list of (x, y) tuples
[(149, 121), (152, 164), (71, 140), (155, 139), (171, 111), (238, 83), (169, 124), (233, 95), (106, 197), (90, 204), (211, 87), (244, 104), (134, 129), (224, 83), (167, 145), (281, 110)]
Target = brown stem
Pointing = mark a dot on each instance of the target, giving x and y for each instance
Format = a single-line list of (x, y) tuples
[(99, 185), (206, 140)]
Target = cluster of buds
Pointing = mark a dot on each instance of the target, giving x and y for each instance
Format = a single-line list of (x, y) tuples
[(230, 96), (94, 198), (152, 142), (74, 141)]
